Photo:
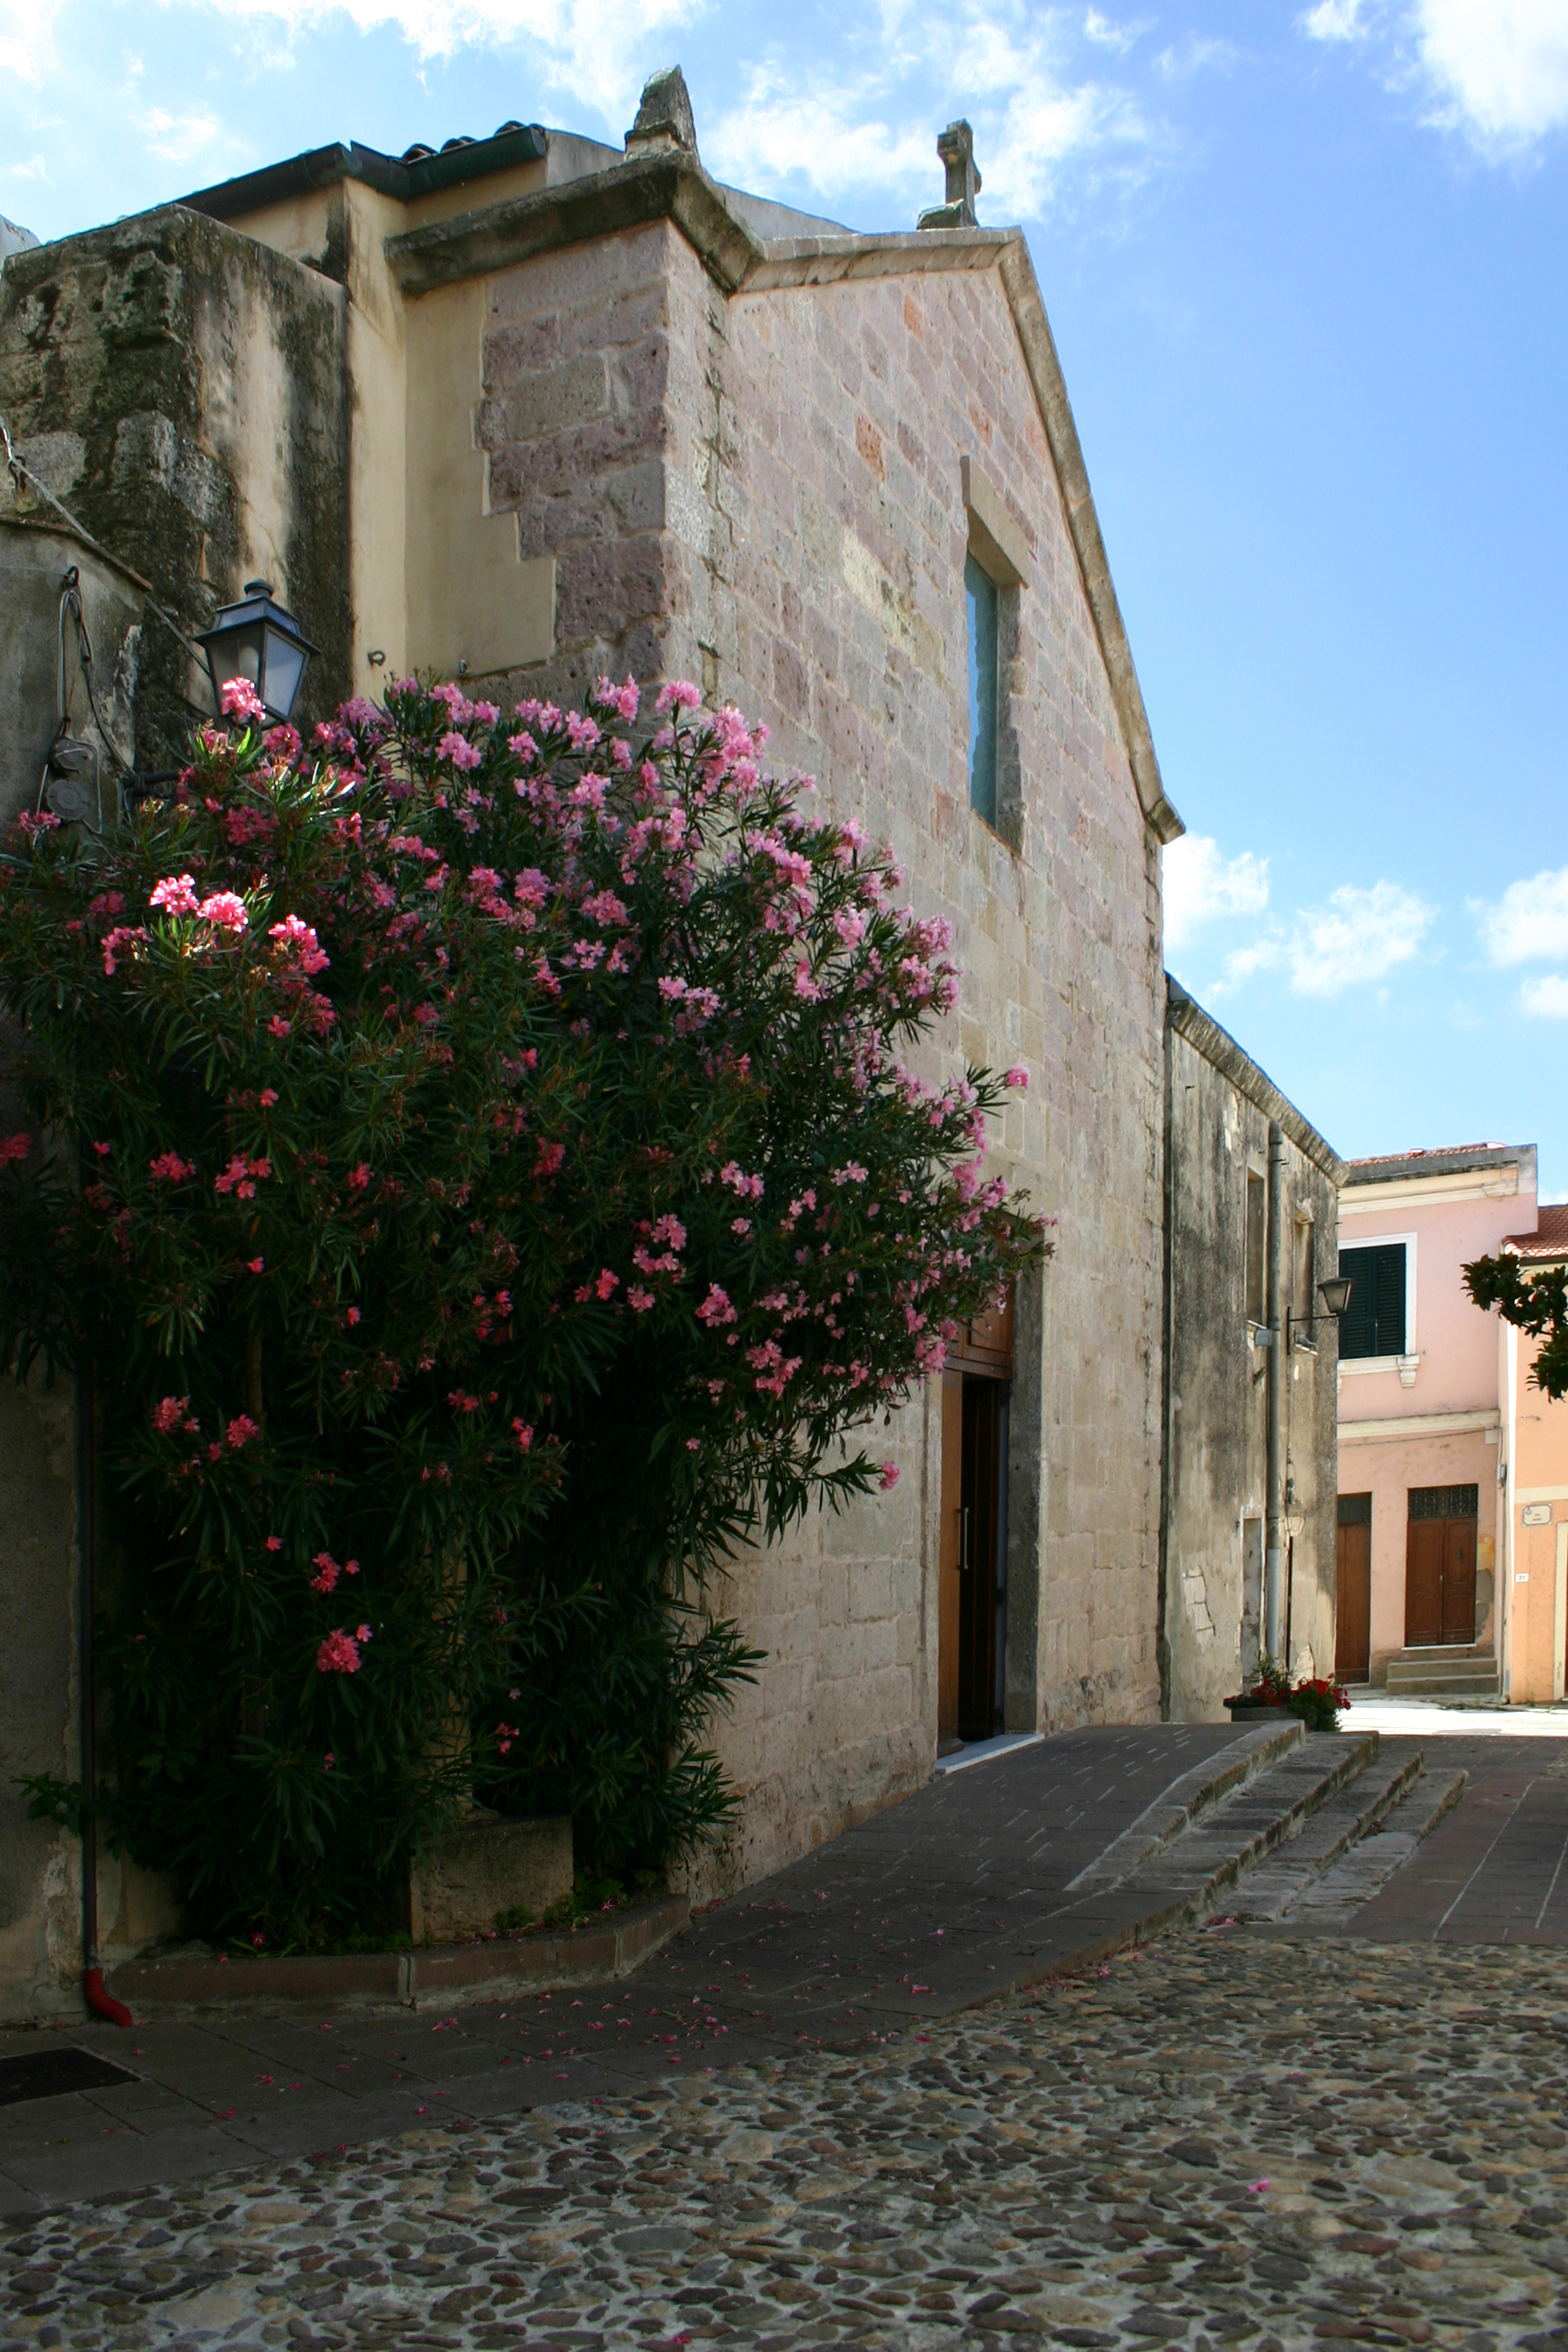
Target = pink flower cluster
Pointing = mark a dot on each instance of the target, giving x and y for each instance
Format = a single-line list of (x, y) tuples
[(299, 943), (241, 1176), (240, 699), (328, 1572), (174, 895), (340, 1653)]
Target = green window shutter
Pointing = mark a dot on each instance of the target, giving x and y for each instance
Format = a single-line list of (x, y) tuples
[(1373, 1323)]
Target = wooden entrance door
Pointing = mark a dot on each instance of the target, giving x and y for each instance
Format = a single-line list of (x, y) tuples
[(971, 1567), (979, 1708), (1440, 1566), (1352, 1591), (971, 1598)]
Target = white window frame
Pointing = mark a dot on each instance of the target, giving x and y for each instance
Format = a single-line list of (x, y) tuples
[(1350, 1365)]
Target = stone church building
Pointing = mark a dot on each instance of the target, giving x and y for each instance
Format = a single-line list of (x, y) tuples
[(530, 409)]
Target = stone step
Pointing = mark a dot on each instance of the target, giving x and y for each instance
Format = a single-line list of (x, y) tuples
[(1187, 1800), (1477, 1688), (1327, 1907), (1435, 1666), (1184, 1879), (1444, 1652), (1360, 1806)]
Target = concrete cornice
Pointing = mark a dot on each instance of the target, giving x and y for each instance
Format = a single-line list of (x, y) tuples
[(1220, 1050), (672, 186), (1420, 1425), (647, 188)]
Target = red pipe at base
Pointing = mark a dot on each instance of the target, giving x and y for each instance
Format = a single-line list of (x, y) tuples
[(101, 2004)]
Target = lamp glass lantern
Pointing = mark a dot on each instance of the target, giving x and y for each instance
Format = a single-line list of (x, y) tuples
[(1336, 1294), (258, 639)]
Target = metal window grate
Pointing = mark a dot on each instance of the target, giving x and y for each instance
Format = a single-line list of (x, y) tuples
[(1355, 1510), (1444, 1502)]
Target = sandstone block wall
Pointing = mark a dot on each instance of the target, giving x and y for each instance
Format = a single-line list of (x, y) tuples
[(764, 493)]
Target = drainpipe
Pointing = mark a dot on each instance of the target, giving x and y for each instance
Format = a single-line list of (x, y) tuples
[(1278, 1373)]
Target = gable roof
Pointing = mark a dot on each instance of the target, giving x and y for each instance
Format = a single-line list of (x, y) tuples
[(668, 182), (1186, 1016)]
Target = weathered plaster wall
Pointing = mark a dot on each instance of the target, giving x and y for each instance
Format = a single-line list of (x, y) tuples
[(181, 389), (185, 389), (40, 1907), (1218, 1108), (33, 562)]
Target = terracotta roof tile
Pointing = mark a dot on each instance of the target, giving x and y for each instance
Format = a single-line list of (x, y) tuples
[(1550, 1241)]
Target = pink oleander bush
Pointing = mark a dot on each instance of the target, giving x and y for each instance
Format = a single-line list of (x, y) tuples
[(475, 1156)]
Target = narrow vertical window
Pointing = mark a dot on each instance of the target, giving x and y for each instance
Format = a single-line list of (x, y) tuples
[(1304, 1268), (981, 591), (1256, 1217)]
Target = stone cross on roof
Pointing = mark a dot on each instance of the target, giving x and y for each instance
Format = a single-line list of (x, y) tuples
[(956, 148)]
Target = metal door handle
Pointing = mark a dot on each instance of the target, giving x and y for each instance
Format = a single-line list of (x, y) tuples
[(963, 1551)]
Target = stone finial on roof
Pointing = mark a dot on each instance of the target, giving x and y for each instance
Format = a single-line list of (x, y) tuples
[(664, 117), (956, 148)]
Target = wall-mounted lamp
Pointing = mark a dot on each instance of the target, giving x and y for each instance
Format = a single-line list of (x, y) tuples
[(256, 639), (1336, 1294)]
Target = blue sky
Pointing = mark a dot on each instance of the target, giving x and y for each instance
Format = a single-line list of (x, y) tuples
[(1305, 269)]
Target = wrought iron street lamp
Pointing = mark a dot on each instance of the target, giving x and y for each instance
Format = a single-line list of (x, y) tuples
[(1336, 1294), (256, 639)]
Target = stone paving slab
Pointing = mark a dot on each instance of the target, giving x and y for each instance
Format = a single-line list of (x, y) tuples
[(918, 1915), (1329, 1904), (1342, 1823), (1495, 1869), (1203, 2145), (831, 1951)]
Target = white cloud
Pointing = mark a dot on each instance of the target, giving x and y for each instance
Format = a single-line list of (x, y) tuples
[(599, 51), (1546, 998), (1335, 20), (1201, 886), (1356, 937), (178, 137), (1192, 54), (829, 136), (864, 121), (1494, 71), (34, 168), (27, 38), (1528, 922), (1106, 35), (1265, 954), (1499, 68)]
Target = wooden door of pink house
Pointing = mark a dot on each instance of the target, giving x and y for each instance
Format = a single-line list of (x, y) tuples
[(1440, 1566)]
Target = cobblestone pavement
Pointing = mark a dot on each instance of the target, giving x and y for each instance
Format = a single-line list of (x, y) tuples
[(1227, 2139)]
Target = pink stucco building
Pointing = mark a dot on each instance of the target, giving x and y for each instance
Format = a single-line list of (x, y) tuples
[(1453, 1470)]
